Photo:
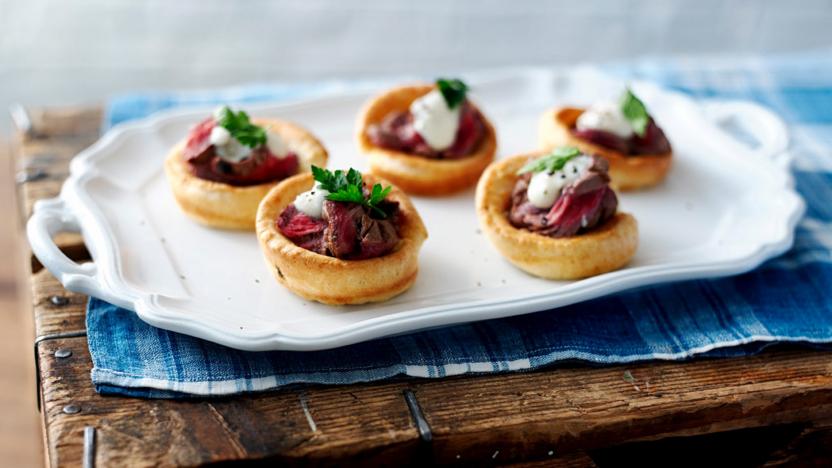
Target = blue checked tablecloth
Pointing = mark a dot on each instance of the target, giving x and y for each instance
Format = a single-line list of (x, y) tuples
[(788, 299)]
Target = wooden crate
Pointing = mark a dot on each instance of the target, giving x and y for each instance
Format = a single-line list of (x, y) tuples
[(774, 408)]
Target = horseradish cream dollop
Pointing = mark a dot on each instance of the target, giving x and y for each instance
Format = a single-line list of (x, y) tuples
[(227, 147), (232, 150), (435, 121), (544, 187), (277, 146), (311, 202), (605, 116), (220, 136)]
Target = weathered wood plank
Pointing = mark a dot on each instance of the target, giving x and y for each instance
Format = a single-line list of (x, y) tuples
[(371, 423), (518, 416), (42, 161), (572, 460), (583, 408), (50, 122), (368, 423), (56, 310), (43, 164)]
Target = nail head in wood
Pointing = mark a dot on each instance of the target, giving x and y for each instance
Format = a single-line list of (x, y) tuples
[(30, 175), (71, 409), (41, 339), (63, 353), (59, 301)]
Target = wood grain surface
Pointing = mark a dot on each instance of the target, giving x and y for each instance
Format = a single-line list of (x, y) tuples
[(572, 415), (42, 161), (20, 442)]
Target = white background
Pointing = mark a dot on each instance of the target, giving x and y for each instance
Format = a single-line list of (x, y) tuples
[(62, 51)]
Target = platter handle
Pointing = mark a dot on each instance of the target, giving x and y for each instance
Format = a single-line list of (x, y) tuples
[(50, 217), (755, 127)]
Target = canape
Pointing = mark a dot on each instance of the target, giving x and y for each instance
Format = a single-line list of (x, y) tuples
[(340, 237), (624, 133), (426, 139), (228, 162), (554, 215)]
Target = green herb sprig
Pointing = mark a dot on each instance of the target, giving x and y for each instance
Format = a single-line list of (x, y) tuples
[(349, 187), (635, 112), (552, 162), (453, 90), (240, 127)]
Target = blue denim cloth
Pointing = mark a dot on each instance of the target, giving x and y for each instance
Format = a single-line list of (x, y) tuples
[(788, 299)]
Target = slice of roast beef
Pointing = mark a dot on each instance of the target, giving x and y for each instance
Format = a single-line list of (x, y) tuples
[(341, 233), (654, 140), (471, 132), (302, 229), (604, 138), (523, 213), (595, 178), (259, 168), (377, 237), (573, 212), (198, 148), (396, 132), (345, 230), (581, 206)]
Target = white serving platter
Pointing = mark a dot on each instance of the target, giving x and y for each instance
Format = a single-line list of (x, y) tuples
[(727, 205)]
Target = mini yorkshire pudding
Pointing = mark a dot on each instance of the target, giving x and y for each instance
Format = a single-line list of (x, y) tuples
[(337, 281), (607, 246), (227, 205), (424, 172), (627, 171)]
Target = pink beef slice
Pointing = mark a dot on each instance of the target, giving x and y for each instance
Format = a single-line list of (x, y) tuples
[(345, 230), (341, 233), (377, 236), (302, 229), (581, 206), (260, 167), (654, 140), (396, 132)]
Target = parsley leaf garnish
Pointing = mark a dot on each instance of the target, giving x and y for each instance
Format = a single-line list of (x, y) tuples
[(378, 194), (552, 162), (349, 193), (452, 90), (240, 127), (349, 187), (635, 112)]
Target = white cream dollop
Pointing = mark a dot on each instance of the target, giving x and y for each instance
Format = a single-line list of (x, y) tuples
[(277, 145), (544, 187), (232, 151), (435, 122), (220, 136), (606, 116), (311, 202)]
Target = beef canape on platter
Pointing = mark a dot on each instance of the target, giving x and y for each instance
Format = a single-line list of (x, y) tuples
[(554, 215), (340, 237), (623, 133), (426, 139), (228, 162)]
